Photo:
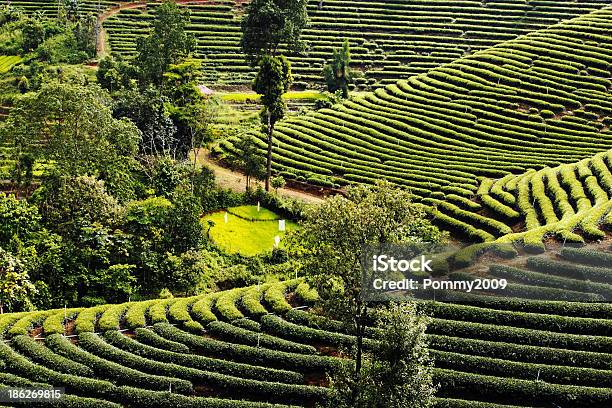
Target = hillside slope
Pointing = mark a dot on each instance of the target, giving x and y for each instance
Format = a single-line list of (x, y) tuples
[(390, 39), (539, 100), (251, 344)]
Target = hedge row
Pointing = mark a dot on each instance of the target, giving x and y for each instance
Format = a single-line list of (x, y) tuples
[(111, 370), (564, 324), (517, 335), (541, 279), (571, 270), (234, 334), (520, 352), (509, 390), (225, 384), (185, 358), (587, 256), (248, 354)]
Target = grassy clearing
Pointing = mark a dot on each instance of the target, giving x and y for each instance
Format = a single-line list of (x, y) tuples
[(242, 236), (251, 96), (250, 213)]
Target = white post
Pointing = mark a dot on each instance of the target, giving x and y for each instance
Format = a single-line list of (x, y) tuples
[(281, 225), (258, 206), (276, 241), (225, 217)]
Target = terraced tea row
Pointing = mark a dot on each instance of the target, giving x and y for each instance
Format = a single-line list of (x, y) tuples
[(570, 203), (488, 353), (389, 39), (540, 100)]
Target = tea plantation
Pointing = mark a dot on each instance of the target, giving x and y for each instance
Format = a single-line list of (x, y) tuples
[(389, 39), (250, 347)]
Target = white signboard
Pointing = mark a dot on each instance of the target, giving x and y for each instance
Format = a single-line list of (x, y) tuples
[(281, 225)]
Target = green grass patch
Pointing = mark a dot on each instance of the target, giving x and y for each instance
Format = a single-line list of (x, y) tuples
[(245, 237), (250, 213), (250, 96)]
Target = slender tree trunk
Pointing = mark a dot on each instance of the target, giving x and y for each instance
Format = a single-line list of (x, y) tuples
[(269, 157), (360, 329)]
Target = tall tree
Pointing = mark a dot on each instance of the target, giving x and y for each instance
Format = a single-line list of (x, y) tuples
[(338, 73), (270, 24), (397, 370), (273, 80), (247, 158), (334, 239), (168, 43), (191, 112)]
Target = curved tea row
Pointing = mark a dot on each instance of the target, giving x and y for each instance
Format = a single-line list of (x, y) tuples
[(249, 347)]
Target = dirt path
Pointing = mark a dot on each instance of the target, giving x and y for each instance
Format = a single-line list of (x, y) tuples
[(236, 181)]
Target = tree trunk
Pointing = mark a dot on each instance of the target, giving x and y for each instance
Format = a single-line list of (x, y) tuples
[(269, 157), (360, 333)]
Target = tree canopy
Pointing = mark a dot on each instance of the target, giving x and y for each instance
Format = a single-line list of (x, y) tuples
[(270, 24), (73, 126), (337, 72), (168, 43)]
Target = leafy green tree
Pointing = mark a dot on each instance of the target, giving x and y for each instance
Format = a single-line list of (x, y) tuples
[(190, 111), (338, 73), (168, 43), (278, 182), (334, 239), (247, 158), (72, 126), (33, 32), (273, 80), (69, 203), (85, 32), (115, 74), (15, 285), (397, 372), (269, 24), (17, 218), (147, 109)]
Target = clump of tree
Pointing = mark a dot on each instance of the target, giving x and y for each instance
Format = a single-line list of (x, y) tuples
[(159, 92), (337, 73), (245, 157), (267, 26), (333, 241), (168, 43)]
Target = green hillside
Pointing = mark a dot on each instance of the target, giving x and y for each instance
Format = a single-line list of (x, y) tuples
[(539, 100), (389, 40), (251, 344)]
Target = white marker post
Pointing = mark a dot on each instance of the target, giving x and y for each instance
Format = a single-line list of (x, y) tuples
[(225, 217), (258, 206), (276, 241), (281, 225)]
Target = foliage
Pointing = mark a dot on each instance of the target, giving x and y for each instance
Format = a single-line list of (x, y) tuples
[(146, 108), (71, 125), (15, 285), (278, 182), (115, 74), (272, 81), (269, 24), (334, 237), (247, 158), (337, 72), (167, 44), (191, 112)]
